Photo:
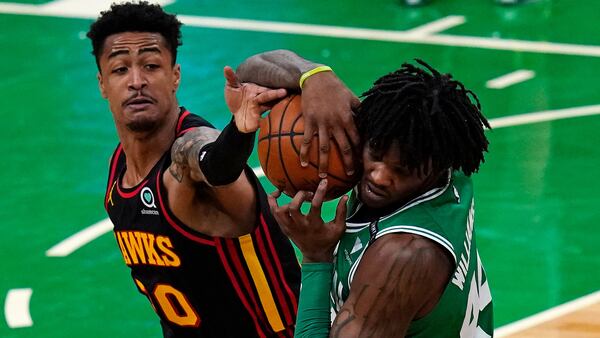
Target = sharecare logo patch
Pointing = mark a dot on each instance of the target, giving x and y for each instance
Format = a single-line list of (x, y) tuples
[(147, 198)]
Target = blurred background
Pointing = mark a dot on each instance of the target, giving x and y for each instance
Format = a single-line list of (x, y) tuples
[(534, 66)]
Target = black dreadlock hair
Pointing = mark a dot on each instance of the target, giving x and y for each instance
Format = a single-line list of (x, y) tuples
[(135, 17), (430, 115)]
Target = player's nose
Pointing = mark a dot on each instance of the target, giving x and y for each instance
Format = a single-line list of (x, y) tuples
[(137, 80), (380, 174)]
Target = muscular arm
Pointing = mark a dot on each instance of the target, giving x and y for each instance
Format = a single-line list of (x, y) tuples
[(276, 69), (207, 156), (211, 157), (186, 150), (327, 103), (400, 278), (224, 210)]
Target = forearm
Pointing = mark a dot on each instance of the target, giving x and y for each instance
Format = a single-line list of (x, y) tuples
[(313, 309), (223, 160), (276, 69), (207, 155)]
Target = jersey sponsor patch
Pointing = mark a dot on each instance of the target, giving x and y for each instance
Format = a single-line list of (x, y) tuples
[(147, 197)]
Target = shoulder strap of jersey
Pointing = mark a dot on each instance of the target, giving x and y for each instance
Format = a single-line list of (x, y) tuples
[(188, 121)]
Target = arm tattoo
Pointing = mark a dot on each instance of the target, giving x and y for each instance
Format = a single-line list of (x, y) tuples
[(176, 171), (276, 69), (346, 316), (186, 149), (381, 309)]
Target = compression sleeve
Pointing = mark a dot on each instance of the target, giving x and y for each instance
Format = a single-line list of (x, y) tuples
[(313, 309), (223, 160)]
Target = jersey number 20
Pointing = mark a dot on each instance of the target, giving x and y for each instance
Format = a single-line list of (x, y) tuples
[(173, 304)]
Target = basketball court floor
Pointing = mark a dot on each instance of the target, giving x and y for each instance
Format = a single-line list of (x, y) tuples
[(535, 68)]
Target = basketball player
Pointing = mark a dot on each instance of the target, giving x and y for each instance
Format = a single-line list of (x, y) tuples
[(191, 219), (401, 259)]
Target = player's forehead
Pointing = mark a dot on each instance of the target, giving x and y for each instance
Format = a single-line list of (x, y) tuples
[(133, 42)]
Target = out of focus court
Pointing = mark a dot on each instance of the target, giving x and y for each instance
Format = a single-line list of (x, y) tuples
[(535, 68)]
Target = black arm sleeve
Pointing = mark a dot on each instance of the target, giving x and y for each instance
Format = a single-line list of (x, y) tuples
[(223, 160)]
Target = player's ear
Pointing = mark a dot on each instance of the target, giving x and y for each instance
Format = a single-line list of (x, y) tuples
[(101, 85), (176, 77)]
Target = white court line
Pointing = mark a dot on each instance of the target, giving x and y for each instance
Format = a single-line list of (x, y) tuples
[(437, 25), (79, 239), (546, 115), (74, 242), (16, 308), (84, 12), (548, 315), (70, 244), (66, 8), (391, 36), (510, 79), (73, 8)]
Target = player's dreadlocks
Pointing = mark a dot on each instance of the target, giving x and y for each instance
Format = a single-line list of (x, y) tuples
[(429, 114), (135, 17)]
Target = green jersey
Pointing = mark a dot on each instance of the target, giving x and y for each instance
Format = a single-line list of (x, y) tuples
[(444, 215)]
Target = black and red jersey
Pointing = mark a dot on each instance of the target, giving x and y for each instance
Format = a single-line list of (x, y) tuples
[(199, 285)]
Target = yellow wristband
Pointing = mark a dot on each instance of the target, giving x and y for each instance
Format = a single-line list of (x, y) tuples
[(313, 72)]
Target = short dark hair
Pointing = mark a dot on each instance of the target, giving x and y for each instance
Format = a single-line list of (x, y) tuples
[(135, 17), (430, 115)]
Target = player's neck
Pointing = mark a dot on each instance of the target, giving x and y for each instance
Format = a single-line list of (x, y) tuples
[(143, 150)]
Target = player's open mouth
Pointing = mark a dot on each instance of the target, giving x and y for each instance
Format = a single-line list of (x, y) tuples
[(371, 189)]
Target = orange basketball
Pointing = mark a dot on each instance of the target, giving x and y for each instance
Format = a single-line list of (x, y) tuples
[(279, 140)]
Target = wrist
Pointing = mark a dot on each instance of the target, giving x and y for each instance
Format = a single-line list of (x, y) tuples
[(311, 72), (238, 130)]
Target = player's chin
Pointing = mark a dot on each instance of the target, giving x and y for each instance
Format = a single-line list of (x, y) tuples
[(142, 124)]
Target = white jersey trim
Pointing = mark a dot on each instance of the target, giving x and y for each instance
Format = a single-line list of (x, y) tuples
[(405, 229), (421, 232), (355, 265)]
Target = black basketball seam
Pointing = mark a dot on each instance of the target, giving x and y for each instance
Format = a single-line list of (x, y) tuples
[(276, 136)]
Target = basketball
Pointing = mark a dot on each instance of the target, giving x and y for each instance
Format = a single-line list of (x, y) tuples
[(279, 140)]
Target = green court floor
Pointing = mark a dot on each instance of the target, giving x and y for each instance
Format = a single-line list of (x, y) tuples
[(536, 195)]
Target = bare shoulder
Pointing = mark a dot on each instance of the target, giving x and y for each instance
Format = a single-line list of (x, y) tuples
[(399, 279), (406, 248), (413, 262)]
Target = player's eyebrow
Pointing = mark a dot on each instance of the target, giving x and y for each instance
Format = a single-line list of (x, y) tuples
[(117, 52), (126, 51), (149, 50)]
